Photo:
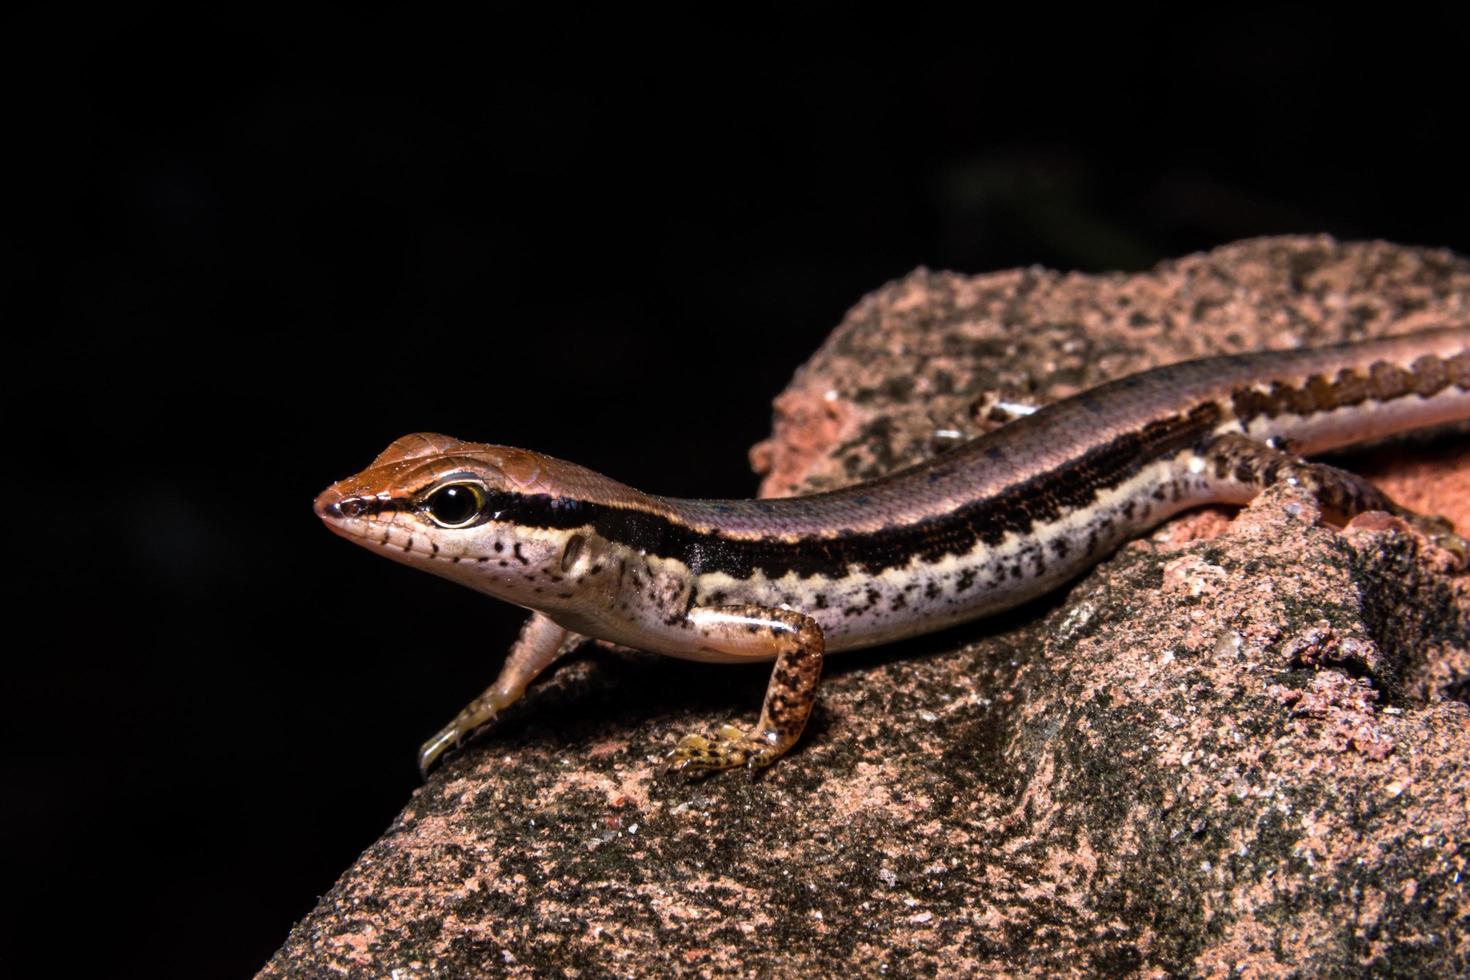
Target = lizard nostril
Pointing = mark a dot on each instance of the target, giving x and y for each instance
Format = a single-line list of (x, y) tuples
[(334, 508)]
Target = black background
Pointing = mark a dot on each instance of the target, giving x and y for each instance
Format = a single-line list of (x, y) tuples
[(242, 252)]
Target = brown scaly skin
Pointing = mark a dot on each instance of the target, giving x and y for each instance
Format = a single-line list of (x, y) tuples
[(986, 526)]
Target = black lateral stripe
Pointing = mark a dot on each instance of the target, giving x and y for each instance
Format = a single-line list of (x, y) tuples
[(1018, 509), (373, 506)]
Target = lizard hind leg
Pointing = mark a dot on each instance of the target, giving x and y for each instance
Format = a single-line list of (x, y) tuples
[(759, 632), (1242, 467)]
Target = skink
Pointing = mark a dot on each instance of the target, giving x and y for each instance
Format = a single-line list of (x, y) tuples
[(988, 525)]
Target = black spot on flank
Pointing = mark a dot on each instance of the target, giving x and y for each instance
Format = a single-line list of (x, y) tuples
[(873, 596), (819, 600), (517, 552), (898, 602), (994, 452), (499, 547), (433, 548), (1060, 547), (456, 559), (932, 589), (966, 579)]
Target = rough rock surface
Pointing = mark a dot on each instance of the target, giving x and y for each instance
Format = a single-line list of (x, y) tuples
[(1238, 745)]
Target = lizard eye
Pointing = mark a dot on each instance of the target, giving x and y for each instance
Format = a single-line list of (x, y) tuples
[(455, 505)]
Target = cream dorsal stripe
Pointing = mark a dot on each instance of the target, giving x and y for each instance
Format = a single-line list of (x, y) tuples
[(993, 523)]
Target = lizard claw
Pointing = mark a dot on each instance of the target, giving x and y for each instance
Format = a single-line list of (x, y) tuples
[(446, 738)]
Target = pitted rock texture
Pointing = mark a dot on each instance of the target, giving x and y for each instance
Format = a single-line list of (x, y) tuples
[(922, 362), (1238, 745)]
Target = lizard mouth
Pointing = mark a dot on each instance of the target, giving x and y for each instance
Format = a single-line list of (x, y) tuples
[(375, 522)]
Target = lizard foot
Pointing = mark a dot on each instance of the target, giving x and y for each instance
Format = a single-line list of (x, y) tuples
[(728, 748), (1455, 545), (1441, 532)]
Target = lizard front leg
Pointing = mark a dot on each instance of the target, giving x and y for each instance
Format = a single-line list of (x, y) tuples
[(540, 644), (759, 632)]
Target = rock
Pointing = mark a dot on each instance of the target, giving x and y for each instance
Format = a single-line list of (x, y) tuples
[(1238, 745)]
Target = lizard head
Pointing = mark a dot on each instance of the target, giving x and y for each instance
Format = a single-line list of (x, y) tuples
[(504, 521)]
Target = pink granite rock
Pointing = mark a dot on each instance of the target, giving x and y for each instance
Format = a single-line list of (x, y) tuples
[(1238, 745)]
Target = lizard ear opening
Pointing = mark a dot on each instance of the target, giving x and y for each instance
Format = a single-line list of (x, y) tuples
[(573, 552)]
